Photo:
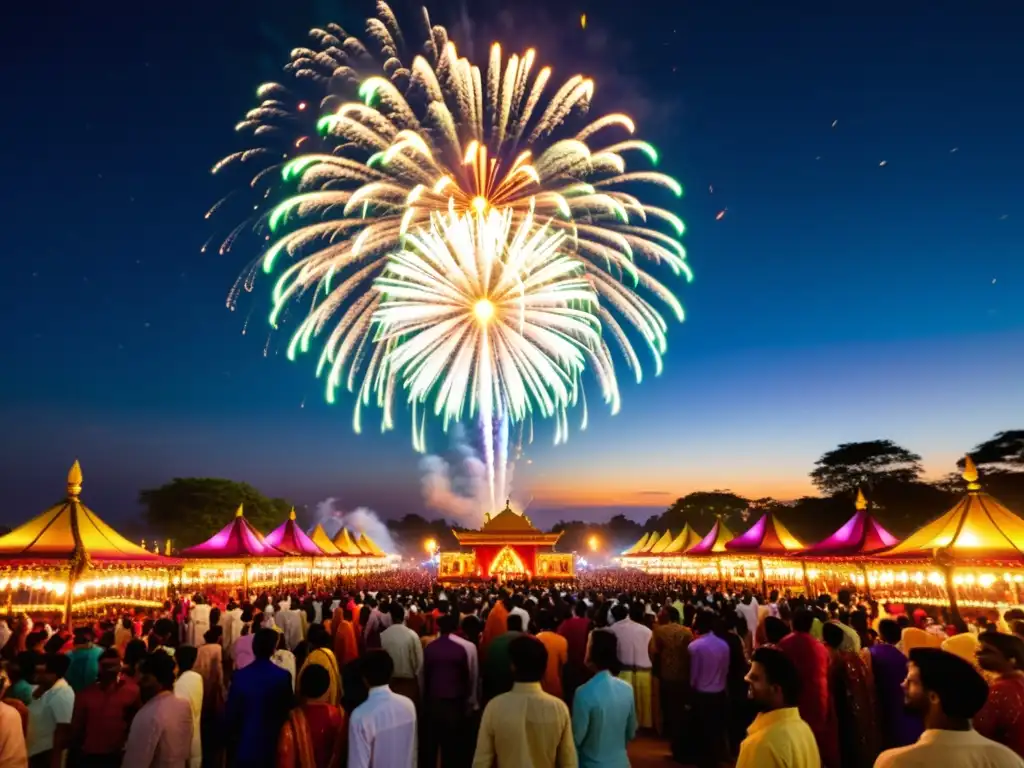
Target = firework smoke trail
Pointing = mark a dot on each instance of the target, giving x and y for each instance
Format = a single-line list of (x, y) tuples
[(339, 185)]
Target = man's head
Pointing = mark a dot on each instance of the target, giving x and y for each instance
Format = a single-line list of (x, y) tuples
[(704, 623), (889, 631), (514, 623), (999, 653), (397, 613), (446, 624), (376, 667), (580, 609), (604, 651), (668, 615), (775, 629), (53, 667), (264, 643), (529, 659), (314, 682), (619, 612), (317, 635), (156, 674), (803, 620), (833, 635), (943, 688), (83, 637), (109, 665), (773, 679), (186, 657)]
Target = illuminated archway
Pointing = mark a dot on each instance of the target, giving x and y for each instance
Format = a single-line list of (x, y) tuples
[(507, 563)]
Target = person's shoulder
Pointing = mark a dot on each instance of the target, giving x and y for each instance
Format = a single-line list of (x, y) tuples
[(898, 756)]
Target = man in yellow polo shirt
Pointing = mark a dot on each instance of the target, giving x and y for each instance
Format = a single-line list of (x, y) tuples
[(778, 737)]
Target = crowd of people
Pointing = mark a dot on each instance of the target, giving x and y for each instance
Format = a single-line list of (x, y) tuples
[(401, 672)]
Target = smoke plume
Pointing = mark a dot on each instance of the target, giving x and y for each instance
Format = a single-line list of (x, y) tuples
[(456, 487), (359, 520)]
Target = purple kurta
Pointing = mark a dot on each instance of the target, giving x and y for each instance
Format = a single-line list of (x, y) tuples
[(889, 666)]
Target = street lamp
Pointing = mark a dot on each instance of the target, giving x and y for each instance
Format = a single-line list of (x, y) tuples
[(431, 546), (593, 543)]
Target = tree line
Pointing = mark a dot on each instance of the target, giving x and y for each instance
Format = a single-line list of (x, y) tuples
[(190, 510)]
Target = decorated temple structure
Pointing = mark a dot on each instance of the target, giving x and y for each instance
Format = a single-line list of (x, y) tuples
[(67, 561), (507, 547)]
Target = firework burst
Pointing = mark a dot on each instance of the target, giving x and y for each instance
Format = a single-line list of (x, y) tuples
[(436, 145)]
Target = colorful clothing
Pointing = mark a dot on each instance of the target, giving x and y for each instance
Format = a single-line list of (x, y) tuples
[(558, 653), (603, 722), (897, 728), (779, 739), (853, 691), (816, 707), (313, 737), (1002, 717)]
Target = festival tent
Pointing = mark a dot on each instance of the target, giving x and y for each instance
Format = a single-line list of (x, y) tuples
[(237, 556), (682, 543), (343, 541), (368, 547), (651, 543), (292, 540), (714, 543), (978, 527), (238, 539), (768, 536), (862, 534), (663, 542), (68, 559), (322, 540), (638, 546)]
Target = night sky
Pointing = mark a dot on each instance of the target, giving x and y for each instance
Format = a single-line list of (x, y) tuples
[(866, 280)]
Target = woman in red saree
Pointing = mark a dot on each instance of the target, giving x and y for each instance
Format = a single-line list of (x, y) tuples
[(316, 732), (853, 691)]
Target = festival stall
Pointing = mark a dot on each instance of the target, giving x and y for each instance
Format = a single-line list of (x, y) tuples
[(842, 559), (68, 561), (973, 555), (764, 552), (235, 556), (305, 558), (321, 539)]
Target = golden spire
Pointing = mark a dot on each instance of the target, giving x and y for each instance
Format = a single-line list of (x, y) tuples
[(74, 480), (861, 503), (970, 474), (167, 548), (238, 512), (291, 515)]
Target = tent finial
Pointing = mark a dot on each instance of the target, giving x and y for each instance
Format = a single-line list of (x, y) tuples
[(74, 480)]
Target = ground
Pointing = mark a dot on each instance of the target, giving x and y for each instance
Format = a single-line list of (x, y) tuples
[(646, 751)]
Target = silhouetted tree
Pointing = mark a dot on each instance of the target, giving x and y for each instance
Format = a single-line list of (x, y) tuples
[(1003, 452), (865, 465), (189, 510)]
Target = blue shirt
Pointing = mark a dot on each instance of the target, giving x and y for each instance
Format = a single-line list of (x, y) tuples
[(603, 720), (84, 667), (259, 702)]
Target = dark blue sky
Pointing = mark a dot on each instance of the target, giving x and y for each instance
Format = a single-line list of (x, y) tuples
[(838, 299)]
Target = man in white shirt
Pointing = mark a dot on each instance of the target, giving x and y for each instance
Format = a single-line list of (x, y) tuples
[(406, 652), (382, 730), (518, 610), (189, 686), (634, 641), (747, 609), (49, 714), (161, 732), (947, 692)]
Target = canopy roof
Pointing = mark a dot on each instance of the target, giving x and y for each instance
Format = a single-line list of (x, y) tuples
[(368, 547), (237, 539), (862, 534), (663, 542), (343, 542), (686, 539), (292, 540), (638, 546), (714, 542), (977, 526), (70, 531), (767, 536), (321, 539), (651, 543)]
